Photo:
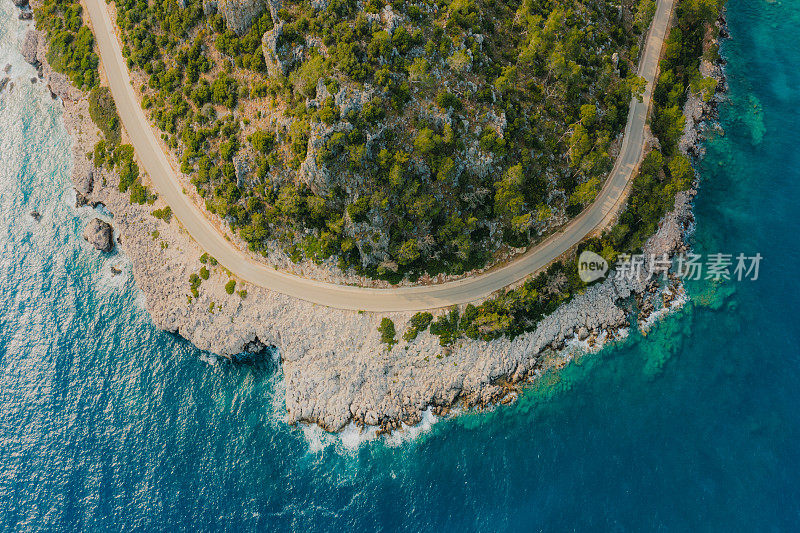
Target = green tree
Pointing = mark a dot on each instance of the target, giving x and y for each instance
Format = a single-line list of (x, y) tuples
[(262, 141), (103, 112), (408, 253), (509, 201), (387, 332)]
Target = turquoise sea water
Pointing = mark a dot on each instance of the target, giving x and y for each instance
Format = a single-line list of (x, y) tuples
[(109, 424)]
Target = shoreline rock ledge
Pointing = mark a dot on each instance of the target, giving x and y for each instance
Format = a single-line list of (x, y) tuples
[(100, 235)]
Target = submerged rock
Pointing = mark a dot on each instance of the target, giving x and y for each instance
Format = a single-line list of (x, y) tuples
[(100, 235), (36, 215)]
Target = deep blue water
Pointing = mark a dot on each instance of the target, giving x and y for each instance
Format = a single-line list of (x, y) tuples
[(108, 423)]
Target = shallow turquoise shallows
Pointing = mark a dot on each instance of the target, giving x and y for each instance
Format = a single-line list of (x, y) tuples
[(108, 424)]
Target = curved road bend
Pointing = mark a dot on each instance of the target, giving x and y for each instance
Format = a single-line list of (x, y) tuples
[(415, 298)]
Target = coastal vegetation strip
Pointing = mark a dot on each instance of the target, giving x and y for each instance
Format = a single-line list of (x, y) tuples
[(71, 51), (71, 48)]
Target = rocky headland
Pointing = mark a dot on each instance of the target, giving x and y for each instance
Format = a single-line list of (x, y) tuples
[(336, 370)]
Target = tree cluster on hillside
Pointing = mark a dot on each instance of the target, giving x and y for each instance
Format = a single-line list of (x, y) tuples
[(478, 119)]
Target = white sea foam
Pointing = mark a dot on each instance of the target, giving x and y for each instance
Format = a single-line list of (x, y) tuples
[(315, 437), (679, 300), (410, 433), (352, 437)]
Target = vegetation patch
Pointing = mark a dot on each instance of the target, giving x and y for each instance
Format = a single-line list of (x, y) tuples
[(165, 213), (71, 43), (392, 139), (103, 111), (661, 176), (418, 323), (230, 286), (194, 284)]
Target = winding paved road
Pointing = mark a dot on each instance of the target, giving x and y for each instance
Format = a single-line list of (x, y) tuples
[(416, 298)]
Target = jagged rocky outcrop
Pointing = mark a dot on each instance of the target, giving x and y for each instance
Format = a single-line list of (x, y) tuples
[(242, 164), (99, 234), (279, 57), (85, 184), (274, 7), (240, 14)]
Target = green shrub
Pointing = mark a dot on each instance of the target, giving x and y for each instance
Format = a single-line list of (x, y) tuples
[(447, 100), (139, 193), (194, 284), (207, 259), (164, 213), (230, 286), (387, 332), (418, 323), (262, 141), (446, 327)]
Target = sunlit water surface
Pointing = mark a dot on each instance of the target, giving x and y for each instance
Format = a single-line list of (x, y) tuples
[(108, 423)]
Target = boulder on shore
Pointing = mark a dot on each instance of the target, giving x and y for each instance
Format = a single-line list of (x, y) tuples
[(84, 184), (29, 46), (100, 235)]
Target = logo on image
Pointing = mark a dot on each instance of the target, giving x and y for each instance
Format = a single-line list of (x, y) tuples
[(591, 266)]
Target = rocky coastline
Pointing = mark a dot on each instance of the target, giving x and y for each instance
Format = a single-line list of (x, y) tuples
[(336, 370)]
